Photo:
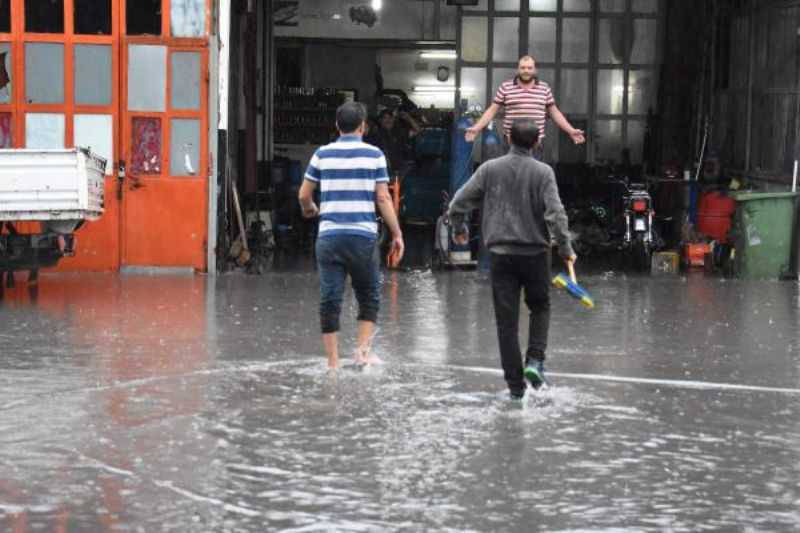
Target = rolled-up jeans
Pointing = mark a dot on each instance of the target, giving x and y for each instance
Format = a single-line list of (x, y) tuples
[(338, 256)]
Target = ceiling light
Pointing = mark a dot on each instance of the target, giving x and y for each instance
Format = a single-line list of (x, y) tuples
[(377, 4), (440, 89), (439, 54)]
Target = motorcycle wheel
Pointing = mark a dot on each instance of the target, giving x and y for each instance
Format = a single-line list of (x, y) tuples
[(642, 254)]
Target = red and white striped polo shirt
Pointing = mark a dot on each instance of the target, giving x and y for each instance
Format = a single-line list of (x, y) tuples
[(520, 102)]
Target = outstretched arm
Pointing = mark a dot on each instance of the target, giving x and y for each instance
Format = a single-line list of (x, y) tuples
[(485, 119), (562, 122)]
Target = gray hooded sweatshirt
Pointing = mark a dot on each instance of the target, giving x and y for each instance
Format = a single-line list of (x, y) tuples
[(519, 202)]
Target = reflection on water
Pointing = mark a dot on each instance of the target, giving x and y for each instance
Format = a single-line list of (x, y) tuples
[(177, 404)]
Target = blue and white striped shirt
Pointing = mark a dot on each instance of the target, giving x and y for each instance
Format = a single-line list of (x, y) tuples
[(347, 172)]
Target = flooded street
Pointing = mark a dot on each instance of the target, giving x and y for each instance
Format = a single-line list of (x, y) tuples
[(142, 403)]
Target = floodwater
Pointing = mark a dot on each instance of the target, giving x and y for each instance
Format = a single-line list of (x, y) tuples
[(135, 403)]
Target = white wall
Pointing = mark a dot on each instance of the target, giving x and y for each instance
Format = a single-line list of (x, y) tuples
[(397, 19), (401, 70)]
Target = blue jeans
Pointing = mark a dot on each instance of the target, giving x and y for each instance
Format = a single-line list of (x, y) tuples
[(338, 256)]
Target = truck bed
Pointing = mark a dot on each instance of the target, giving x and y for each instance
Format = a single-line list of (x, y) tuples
[(51, 185)]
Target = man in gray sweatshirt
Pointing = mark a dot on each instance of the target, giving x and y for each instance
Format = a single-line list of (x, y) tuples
[(519, 202)]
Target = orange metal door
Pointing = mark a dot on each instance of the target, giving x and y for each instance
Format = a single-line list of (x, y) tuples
[(85, 111), (164, 142), (137, 95)]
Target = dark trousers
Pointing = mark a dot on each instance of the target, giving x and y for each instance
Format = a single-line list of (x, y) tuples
[(337, 257), (511, 274)]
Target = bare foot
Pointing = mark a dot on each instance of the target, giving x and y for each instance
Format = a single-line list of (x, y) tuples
[(373, 359), (361, 356), (364, 357)]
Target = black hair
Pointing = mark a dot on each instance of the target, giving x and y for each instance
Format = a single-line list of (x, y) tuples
[(385, 112), (524, 133), (349, 116)]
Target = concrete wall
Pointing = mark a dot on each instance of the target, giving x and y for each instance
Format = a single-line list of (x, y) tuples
[(403, 69), (342, 67), (397, 19)]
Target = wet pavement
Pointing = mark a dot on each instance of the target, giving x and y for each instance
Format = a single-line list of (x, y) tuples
[(138, 403)]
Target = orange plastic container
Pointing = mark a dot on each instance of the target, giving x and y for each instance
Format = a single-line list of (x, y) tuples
[(714, 215), (695, 253)]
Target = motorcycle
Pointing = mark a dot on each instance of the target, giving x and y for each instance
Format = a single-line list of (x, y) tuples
[(639, 240)]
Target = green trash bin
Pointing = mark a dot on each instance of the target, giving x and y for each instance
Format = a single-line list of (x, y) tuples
[(762, 234)]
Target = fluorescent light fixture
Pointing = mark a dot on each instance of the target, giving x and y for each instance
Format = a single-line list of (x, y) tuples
[(377, 4), (439, 54), (440, 89)]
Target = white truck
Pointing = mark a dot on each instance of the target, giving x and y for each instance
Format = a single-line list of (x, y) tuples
[(59, 188)]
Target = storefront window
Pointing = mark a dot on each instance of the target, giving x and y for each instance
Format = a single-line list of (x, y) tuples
[(506, 39), (186, 68), (641, 91), (146, 146), (93, 17), (6, 123), (473, 86), (636, 131), (645, 6), (499, 75), (645, 37), (610, 91), (506, 5), (544, 5), (96, 132), (44, 16), (93, 74), (612, 6), (5, 16), (6, 70), (188, 18), (608, 140), (474, 38), (147, 78), (574, 97), (578, 6), (44, 73), (575, 37), (184, 144), (143, 17), (44, 130), (542, 39), (611, 40)]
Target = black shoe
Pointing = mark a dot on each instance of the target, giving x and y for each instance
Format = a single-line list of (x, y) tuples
[(534, 373)]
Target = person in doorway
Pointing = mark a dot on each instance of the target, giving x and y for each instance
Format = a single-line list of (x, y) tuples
[(519, 202), (525, 96), (393, 137), (352, 179)]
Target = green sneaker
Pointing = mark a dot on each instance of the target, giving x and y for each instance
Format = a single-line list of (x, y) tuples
[(534, 373)]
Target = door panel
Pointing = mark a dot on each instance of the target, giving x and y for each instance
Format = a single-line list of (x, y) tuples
[(165, 210), (163, 223), (105, 80)]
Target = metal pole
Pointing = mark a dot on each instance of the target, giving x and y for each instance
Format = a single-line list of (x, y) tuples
[(750, 67)]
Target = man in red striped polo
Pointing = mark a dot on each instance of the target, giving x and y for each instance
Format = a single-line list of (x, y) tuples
[(526, 96)]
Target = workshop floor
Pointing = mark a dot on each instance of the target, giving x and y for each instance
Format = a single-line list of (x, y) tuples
[(199, 404)]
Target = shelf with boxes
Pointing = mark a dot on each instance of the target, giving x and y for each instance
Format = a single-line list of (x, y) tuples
[(307, 115)]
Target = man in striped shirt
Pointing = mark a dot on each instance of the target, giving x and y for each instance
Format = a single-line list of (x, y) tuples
[(526, 96), (352, 179)]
